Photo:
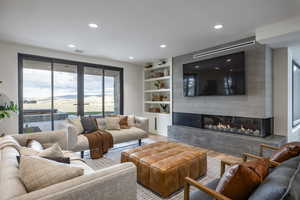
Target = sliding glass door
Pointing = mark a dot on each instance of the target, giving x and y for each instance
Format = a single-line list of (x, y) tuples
[(37, 92), (52, 90)]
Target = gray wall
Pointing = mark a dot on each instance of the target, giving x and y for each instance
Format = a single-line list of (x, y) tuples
[(256, 103)]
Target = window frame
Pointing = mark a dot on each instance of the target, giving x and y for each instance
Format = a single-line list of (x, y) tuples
[(80, 83)]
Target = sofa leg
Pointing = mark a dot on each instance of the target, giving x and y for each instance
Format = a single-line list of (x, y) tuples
[(140, 142), (82, 154)]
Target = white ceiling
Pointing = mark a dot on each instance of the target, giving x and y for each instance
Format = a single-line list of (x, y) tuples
[(136, 27)]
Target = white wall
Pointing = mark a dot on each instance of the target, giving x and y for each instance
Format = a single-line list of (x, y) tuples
[(133, 89), (282, 94)]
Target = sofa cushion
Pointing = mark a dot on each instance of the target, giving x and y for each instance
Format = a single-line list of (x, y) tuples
[(53, 151), (37, 173), (277, 183), (286, 152), (125, 135), (10, 184), (199, 194), (131, 120)]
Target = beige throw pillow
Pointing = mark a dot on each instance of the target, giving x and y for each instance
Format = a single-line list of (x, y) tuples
[(112, 123), (131, 120), (53, 151), (101, 123), (77, 123), (37, 173)]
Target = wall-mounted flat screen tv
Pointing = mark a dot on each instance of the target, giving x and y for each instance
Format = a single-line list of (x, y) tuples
[(220, 76)]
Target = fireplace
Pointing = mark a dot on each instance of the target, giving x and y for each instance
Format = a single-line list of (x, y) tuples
[(259, 127)]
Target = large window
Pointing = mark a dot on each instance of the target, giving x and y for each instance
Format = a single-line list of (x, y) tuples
[(52, 90), (296, 94)]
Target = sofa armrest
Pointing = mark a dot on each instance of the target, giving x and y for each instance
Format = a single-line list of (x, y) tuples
[(211, 192), (46, 138), (142, 123), (116, 182)]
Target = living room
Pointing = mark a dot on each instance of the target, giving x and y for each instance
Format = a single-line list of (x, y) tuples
[(149, 100)]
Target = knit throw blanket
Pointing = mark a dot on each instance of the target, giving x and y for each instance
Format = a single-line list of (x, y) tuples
[(99, 141)]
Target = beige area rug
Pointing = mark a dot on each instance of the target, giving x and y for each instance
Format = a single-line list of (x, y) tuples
[(143, 193)]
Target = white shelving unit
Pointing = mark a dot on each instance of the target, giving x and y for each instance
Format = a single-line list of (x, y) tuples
[(158, 96)]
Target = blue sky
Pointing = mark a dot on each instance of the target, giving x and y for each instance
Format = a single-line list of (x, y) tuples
[(37, 84)]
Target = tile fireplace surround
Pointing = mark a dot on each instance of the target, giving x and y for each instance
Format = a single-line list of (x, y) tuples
[(223, 134), (257, 127)]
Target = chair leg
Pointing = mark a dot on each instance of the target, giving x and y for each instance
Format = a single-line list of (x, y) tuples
[(82, 154), (140, 142), (186, 191)]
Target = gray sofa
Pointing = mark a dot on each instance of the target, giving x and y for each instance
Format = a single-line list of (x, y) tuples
[(116, 182), (283, 183), (139, 131)]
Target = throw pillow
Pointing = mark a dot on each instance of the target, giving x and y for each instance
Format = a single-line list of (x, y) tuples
[(53, 151), (123, 122), (77, 123), (242, 179), (65, 160), (131, 120), (34, 145), (37, 173), (89, 124), (101, 123), (286, 152), (112, 123)]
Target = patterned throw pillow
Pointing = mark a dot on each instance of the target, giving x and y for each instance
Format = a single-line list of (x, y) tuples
[(123, 122), (77, 123), (37, 173), (112, 123)]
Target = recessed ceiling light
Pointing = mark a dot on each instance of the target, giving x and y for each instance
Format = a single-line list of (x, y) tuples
[(71, 46), (218, 26), (131, 58), (92, 25), (163, 46), (228, 60)]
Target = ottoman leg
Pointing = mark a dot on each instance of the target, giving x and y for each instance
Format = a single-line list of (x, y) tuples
[(140, 142), (82, 154)]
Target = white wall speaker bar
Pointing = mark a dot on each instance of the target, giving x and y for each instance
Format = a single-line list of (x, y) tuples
[(224, 49)]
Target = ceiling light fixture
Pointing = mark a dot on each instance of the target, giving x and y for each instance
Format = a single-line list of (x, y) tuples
[(92, 25), (218, 26), (71, 46), (131, 58), (163, 46)]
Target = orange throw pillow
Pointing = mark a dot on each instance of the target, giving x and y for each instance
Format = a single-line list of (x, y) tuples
[(124, 122), (286, 152), (241, 180)]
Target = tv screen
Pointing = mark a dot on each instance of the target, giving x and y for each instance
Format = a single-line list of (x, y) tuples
[(221, 76)]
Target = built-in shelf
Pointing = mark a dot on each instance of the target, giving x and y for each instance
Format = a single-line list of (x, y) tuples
[(160, 90), (151, 113), (158, 67), (158, 102), (159, 78)]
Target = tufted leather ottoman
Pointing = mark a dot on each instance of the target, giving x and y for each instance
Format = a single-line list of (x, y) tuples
[(162, 166)]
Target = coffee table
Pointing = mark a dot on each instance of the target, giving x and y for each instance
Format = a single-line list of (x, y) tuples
[(162, 166)]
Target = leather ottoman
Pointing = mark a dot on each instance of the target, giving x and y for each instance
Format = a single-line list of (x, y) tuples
[(162, 166)]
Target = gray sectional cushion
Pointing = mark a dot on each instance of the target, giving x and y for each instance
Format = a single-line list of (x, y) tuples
[(280, 183), (199, 195)]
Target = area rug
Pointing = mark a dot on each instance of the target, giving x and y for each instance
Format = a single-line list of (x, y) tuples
[(143, 193)]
